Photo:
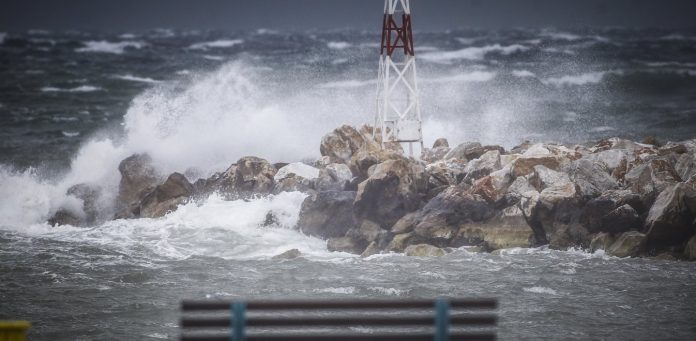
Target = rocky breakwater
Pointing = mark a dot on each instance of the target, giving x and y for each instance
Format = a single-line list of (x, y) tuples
[(626, 198)]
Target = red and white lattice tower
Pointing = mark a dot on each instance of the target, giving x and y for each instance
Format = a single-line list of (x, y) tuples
[(398, 108)]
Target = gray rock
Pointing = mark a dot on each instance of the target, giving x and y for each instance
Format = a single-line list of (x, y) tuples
[(652, 177), (629, 244), (672, 218), (686, 165), (596, 209), (573, 235), (138, 177), (592, 178), (90, 195), (465, 151), (622, 219), (486, 164), (65, 217), (392, 190), (327, 214), (166, 197)]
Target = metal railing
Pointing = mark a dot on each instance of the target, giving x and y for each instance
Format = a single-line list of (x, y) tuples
[(340, 320)]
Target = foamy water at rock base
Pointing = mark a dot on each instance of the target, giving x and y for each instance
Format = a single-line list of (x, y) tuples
[(73, 105)]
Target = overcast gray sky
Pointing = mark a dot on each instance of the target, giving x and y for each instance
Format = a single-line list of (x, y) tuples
[(119, 15)]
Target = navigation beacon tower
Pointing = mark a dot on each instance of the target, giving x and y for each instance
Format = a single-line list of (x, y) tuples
[(398, 108)]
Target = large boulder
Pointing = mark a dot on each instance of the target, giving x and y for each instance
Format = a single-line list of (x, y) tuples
[(438, 152), (166, 197), (254, 175), (628, 244), (484, 165), (592, 178), (89, 212), (507, 229), (651, 178), (341, 144), (672, 218), (222, 183), (391, 191), (686, 165), (525, 164), (594, 216), (623, 218), (572, 235), (327, 214), (295, 177), (438, 222), (465, 151), (611, 158), (333, 177), (138, 177)]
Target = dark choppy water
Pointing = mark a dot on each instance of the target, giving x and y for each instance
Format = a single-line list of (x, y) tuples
[(73, 104)]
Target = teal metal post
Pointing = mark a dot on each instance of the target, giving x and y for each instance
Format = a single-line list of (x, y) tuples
[(442, 320), (238, 321)]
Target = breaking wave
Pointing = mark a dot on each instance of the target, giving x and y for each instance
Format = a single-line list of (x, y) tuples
[(225, 43), (103, 46), (472, 53), (82, 88)]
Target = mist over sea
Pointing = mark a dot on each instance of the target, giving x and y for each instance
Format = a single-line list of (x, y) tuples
[(74, 104)]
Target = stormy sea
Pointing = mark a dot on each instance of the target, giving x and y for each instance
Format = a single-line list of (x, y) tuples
[(74, 104)]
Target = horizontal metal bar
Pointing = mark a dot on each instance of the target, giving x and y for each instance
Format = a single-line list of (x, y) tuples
[(339, 304), (346, 337), (222, 321)]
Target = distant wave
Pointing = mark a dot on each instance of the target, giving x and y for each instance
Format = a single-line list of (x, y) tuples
[(217, 44), (472, 53), (562, 36), (467, 41), (137, 79), (215, 58), (338, 45), (82, 88), (582, 79), (70, 133), (668, 64), (127, 36), (347, 84), (475, 76), (523, 73), (103, 46), (676, 36), (266, 31), (2, 37), (602, 129)]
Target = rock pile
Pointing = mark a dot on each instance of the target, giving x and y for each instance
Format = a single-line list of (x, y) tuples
[(623, 197)]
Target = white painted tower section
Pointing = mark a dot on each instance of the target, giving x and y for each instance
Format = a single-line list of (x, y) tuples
[(398, 105)]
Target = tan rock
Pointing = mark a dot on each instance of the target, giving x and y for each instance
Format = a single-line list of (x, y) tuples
[(628, 244), (424, 250)]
